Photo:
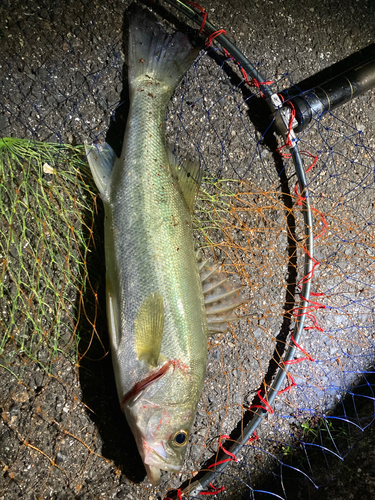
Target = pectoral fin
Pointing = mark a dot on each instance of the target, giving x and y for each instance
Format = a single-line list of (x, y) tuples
[(148, 329)]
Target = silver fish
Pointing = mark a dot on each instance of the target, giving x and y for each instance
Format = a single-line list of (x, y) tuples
[(159, 314)]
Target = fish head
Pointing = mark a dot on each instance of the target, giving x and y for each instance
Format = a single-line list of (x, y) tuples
[(160, 420)]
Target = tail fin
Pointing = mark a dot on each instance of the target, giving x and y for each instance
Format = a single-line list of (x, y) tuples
[(155, 54)]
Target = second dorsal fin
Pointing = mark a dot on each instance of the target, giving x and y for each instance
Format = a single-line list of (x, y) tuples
[(220, 296), (189, 176)]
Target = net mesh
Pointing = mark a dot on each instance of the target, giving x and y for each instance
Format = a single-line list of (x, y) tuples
[(62, 433)]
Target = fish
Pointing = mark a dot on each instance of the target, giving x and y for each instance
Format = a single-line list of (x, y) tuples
[(163, 298)]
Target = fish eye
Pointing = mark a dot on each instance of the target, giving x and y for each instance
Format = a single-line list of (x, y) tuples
[(180, 438)]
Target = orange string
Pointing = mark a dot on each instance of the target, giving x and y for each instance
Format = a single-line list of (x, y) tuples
[(323, 221)]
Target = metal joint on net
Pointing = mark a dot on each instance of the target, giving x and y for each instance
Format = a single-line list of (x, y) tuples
[(282, 113)]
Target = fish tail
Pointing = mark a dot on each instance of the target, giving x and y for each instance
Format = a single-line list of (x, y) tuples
[(155, 54)]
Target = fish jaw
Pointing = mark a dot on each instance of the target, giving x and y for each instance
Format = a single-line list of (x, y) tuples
[(155, 460), (157, 456), (154, 471), (153, 474)]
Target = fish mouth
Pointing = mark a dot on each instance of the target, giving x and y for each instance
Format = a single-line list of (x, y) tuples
[(155, 459), (154, 463)]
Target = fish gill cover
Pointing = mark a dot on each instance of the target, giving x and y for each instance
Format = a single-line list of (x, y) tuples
[(64, 82)]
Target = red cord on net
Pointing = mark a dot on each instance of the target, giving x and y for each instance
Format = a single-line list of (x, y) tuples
[(210, 39), (254, 437), (225, 436), (315, 325), (232, 456), (305, 279), (310, 155), (299, 360), (290, 380), (310, 274), (314, 307), (179, 495), (308, 313), (254, 82), (288, 143), (302, 350), (226, 53), (215, 492), (213, 35), (299, 201), (314, 294), (267, 407), (220, 462), (300, 198), (203, 12), (305, 153)]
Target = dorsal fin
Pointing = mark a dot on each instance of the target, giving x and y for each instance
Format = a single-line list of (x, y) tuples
[(189, 176), (220, 296)]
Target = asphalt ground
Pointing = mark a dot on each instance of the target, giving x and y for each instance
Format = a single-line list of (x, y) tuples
[(63, 74)]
